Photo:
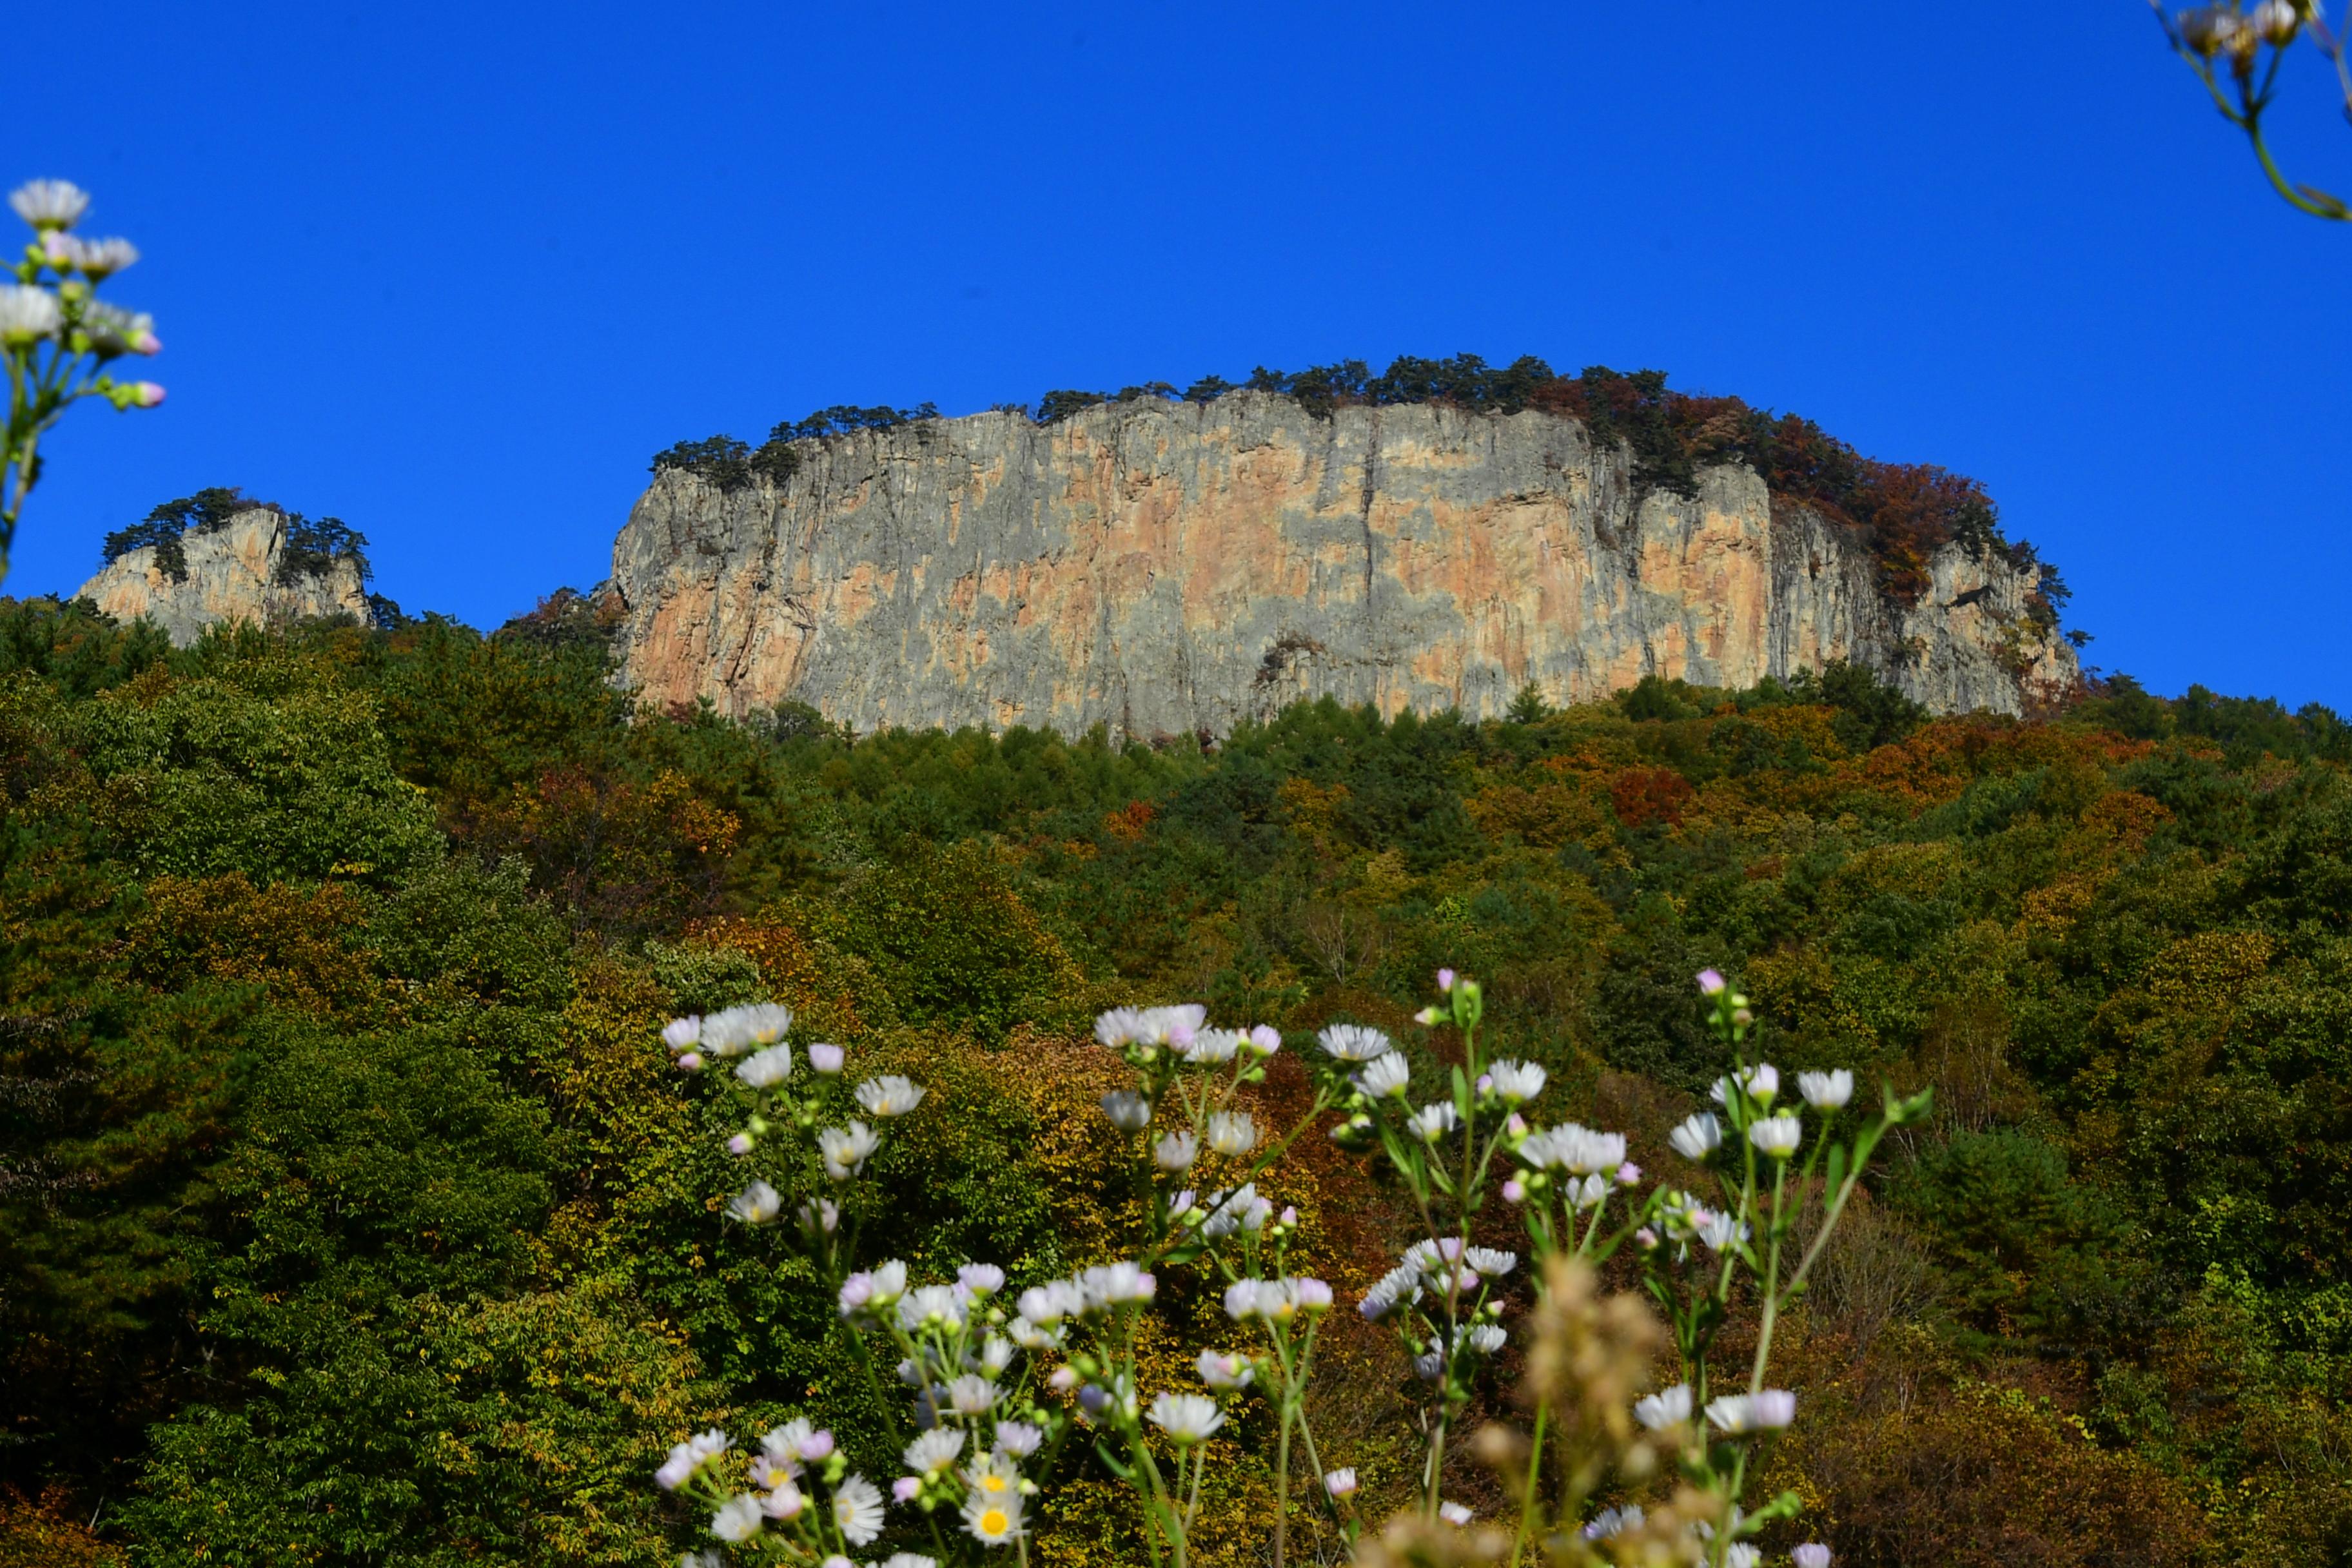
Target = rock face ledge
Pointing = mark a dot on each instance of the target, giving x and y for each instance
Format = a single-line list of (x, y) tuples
[(1164, 568), (232, 575)]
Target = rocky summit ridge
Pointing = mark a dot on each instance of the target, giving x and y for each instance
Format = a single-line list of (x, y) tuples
[(250, 568), (1162, 567)]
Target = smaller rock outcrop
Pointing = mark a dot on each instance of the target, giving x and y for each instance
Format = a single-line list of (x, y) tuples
[(241, 570)]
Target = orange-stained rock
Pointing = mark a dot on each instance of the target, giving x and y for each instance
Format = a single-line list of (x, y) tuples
[(1162, 568), (233, 575)]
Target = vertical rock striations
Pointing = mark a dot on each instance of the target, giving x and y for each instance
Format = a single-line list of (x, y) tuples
[(237, 571), (1162, 568)]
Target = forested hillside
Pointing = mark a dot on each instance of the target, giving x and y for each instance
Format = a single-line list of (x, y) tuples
[(350, 1212)]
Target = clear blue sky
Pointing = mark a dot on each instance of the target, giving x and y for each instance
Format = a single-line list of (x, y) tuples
[(453, 272)]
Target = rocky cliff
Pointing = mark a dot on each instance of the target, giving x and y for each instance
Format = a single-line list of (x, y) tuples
[(234, 573), (1162, 568)]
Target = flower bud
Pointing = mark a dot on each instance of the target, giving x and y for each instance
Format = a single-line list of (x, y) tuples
[(690, 1062), (740, 1144)]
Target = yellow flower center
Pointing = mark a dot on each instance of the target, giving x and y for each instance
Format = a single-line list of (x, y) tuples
[(994, 1522), (992, 1483)]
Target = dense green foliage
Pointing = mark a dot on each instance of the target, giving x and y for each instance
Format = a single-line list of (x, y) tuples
[(348, 1214)]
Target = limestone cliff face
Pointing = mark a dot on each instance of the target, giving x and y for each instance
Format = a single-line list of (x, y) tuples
[(232, 575), (1163, 568)]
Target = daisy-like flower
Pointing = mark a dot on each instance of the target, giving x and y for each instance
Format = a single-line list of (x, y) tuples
[(1214, 1048), (1810, 1554), (931, 1306), (1742, 1554), (690, 1456), (979, 1278), (1454, 1513), (766, 1068), (972, 1394), (1049, 1304), (890, 1096), (825, 1060), (1242, 1300), (756, 1204), (1516, 1083), (1389, 1289), (993, 1521), (1718, 1230), (49, 204), (1579, 1151), (1128, 1111), (1385, 1076), (737, 1519), (1590, 1192), (1176, 1151), (1030, 1337), (1353, 1043), (1232, 1132), (1018, 1438), (1762, 1081), (1491, 1261), (907, 1560), (1116, 1285), (1826, 1090), (934, 1451), (1264, 1041), (784, 1503), (1612, 1521), (1340, 1483), (98, 260), (1432, 1122), (1776, 1135), (847, 1149), (1312, 1295), (682, 1033), (1767, 1411), (995, 1475), (1187, 1418), (995, 1355), (1224, 1371), (1486, 1339), (28, 314), (1698, 1135), (1667, 1407), (1710, 983), (857, 1509), (784, 1444)]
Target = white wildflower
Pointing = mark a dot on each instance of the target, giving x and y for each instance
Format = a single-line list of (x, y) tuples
[(1667, 1407), (756, 1204), (1115, 1285), (1810, 1554), (98, 260), (1018, 1438), (1264, 1041), (1432, 1122), (28, 314), (1187, 1418), (972, 1395), (1826, 1090), (993, 1521), (847, 1149), (1128, 1111), (1579, 1151), (1762, 1082), (1516, 1083), (1612, 1521), (1214, 1048), (1176, 1151), (1699, 1135), (1737, 1413), (682, 1033), (1049, 1304), (1385, 1076), (1486, 1339), (1776, 1135), (690, 1456), (1223, 1371), (934, 1451), (890, 1096), (1232, 1132), (857, 1509), (1742, 1554), (979, 1278), (766, 1068), (1340, 1483), (1487, 1260), (826, 1060), (1454, 1513), (1354, 1043), (737, 1519), (49, 204)]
